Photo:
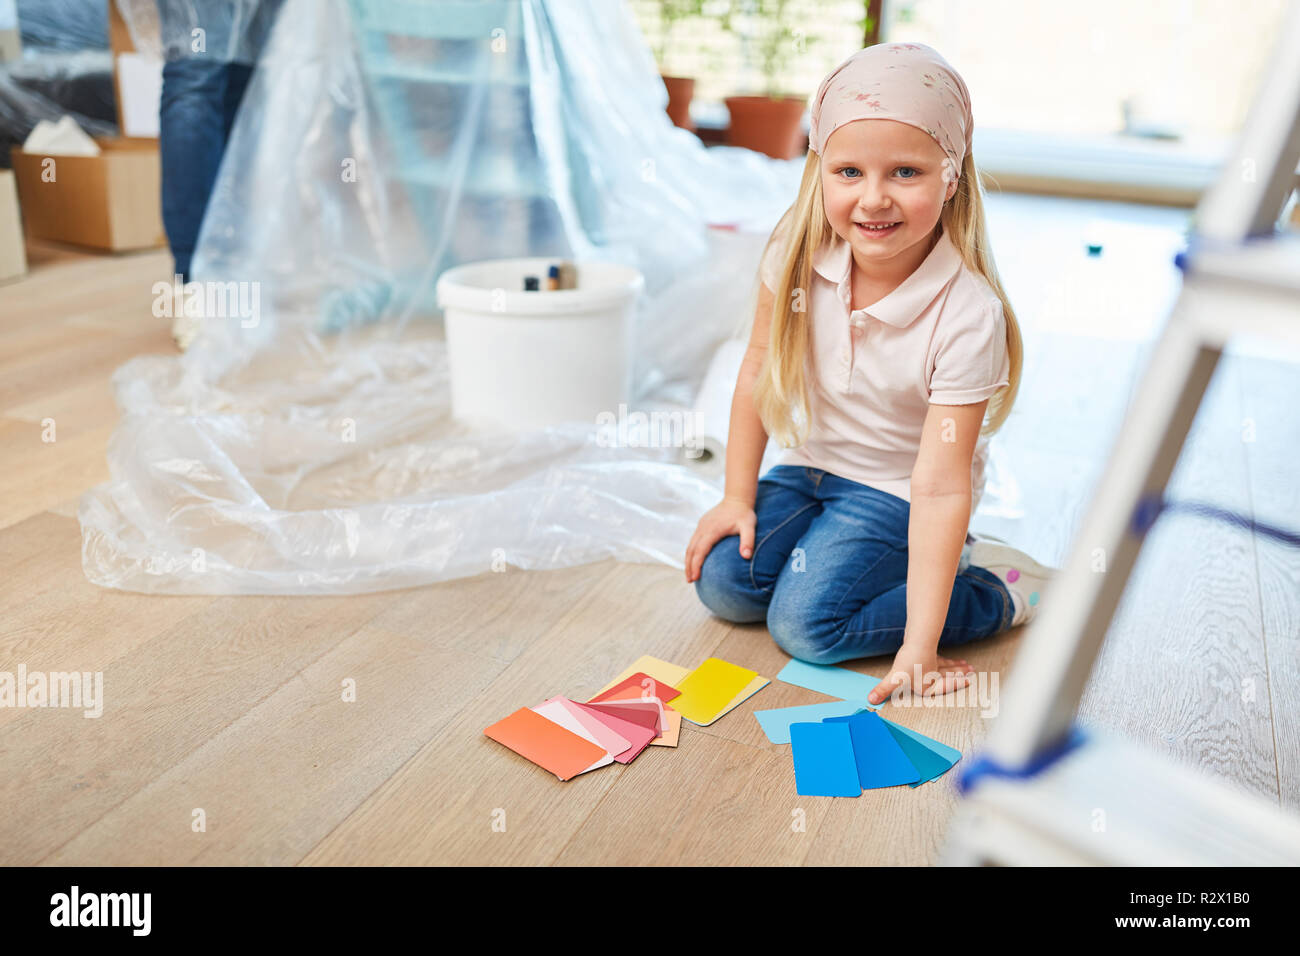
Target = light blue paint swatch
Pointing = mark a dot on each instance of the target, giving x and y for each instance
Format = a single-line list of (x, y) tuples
[(824, 765), (832, 681), (881, 761), (776, 723)]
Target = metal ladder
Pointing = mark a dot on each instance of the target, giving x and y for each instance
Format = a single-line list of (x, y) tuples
[(1047, 791)]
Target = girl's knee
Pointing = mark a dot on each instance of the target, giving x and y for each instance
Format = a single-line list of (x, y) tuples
[(724, 586), (801, 626), (800, 633)]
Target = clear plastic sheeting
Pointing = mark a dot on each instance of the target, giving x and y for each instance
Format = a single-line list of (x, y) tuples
[(226, 31), (63, 24), (49, 86), (304, 443)]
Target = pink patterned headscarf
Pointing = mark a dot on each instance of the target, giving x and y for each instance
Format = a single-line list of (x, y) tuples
[(907, 82)]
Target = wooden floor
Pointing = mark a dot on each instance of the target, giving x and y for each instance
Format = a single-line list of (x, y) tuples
[(232, 706)]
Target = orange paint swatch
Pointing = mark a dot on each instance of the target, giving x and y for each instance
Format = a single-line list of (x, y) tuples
[(545, 743)]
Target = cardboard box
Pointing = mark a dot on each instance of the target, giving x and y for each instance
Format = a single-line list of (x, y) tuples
[(13, 253), (111, 201)]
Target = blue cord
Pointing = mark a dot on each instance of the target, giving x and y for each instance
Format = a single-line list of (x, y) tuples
[(1150, 508)]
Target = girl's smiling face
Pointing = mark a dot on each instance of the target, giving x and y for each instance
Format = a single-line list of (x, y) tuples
[(883, 171)]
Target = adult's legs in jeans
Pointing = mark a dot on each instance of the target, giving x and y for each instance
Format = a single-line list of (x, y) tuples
[(850, 601), (739, 589), (200, 98), (237, 77), (191, 137)]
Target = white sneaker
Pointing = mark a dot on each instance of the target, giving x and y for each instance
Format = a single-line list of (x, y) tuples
[(185, 329), (1025, 578)]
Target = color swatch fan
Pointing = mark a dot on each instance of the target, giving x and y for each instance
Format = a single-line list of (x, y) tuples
[(632, 712)]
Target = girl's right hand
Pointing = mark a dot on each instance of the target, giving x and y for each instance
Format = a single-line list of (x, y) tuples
[(730, 516)]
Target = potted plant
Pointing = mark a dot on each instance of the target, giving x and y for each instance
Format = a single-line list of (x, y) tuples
[(769, 123), (680, 88)]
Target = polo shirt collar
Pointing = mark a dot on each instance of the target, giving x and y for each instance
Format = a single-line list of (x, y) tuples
[(902, 306)]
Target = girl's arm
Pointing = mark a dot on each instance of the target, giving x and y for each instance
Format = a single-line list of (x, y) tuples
[(939, 518), (747, 438)]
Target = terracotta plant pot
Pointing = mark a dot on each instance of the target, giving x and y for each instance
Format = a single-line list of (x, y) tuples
[(680, 90), (767, 125)]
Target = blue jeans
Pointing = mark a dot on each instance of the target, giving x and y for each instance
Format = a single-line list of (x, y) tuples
[(200, 99), (829, 572)]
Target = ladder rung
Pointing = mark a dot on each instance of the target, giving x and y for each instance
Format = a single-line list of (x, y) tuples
[(1271, 262)]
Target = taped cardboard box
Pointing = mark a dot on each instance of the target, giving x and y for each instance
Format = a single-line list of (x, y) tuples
[(13, 254), (111, 201)]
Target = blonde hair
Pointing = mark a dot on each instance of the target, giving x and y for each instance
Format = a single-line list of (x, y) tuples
[(781, 389)]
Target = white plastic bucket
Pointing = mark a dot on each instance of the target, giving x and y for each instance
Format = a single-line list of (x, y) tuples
[(528, 359)]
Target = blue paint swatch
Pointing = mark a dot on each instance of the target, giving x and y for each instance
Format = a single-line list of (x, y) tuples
[(931, 758), (832, 681), (776, 723), (824, 765), (881, 761)]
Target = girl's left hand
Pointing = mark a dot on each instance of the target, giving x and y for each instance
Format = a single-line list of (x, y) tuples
[(938, 675)]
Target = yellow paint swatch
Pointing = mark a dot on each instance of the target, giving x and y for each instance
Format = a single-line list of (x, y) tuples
[(711, 690), (754, 686)]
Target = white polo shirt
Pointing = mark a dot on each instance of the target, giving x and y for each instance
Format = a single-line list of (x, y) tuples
[(939, 337)]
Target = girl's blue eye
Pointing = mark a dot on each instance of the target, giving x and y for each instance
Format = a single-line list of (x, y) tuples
[(847, 169)]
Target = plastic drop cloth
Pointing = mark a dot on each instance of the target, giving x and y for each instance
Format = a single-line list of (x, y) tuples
[(63, 24), (312, 451), (309, 448), (65, 69), (48, 86), (228, 31)]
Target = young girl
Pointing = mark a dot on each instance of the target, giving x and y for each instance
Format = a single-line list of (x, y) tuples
[(881, 339)]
